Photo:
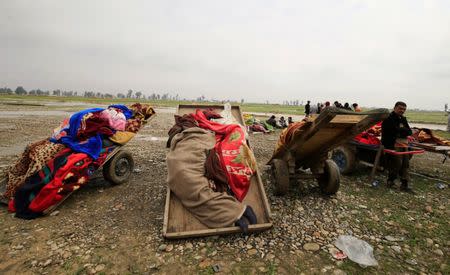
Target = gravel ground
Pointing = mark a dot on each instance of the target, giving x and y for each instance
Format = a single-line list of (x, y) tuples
[(117, 229)]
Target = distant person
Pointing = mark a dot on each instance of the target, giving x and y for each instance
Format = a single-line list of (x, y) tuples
[(273, 122), (319, 107), (290, 121), (282, 122), (347, 106), (337, 104), (307, 109), (327, 104), (356, 107), (394, 132)]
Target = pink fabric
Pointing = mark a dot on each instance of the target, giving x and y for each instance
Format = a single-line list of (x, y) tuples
[(60, 132), (116, 119)]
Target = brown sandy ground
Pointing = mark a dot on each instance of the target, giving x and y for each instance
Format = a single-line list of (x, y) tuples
[(108, 229)]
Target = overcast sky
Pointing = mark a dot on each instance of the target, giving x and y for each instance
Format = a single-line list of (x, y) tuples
[(371, 52)]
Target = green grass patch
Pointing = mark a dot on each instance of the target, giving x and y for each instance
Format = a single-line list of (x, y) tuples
[(400, 214), (432, 117)]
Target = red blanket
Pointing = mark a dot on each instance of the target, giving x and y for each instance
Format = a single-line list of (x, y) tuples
[(235, 157), (370, 136)]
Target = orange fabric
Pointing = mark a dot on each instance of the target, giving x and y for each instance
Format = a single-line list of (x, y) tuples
[(426, 136), (288, 134)]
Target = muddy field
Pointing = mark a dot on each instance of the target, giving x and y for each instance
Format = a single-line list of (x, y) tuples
[(117, 229)]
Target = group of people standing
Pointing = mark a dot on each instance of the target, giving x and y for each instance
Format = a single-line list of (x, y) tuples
[(317, 108)]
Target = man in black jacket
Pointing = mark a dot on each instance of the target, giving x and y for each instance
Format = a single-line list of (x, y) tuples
[(394, 132), (307, 108)]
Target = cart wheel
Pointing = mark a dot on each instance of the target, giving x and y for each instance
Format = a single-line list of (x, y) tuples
[(330, 179), (118, 169), (345, 159), (281, 174)]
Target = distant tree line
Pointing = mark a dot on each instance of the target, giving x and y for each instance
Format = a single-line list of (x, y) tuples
[(90, 94), (128, 94)]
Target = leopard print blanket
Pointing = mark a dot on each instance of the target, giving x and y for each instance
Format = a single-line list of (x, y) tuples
[(35, 156)]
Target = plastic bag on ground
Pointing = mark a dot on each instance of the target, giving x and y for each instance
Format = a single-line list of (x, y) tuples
[(357, 250)]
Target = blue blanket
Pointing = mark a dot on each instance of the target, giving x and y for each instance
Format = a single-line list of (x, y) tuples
[(93, 145)]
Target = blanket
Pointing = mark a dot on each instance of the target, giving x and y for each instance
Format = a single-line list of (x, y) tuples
[(61, 175), (31, 161), (427, 136), (186, 178), (287, 135), (235, 156)]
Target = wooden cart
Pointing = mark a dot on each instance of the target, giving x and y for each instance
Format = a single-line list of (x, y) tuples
[(116, 169), (348, 155), (180, 223), (308, 149)]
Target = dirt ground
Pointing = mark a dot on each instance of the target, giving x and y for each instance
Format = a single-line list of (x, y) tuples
[(107, 229)]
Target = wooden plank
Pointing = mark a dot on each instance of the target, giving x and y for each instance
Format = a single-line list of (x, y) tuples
[(217, 231), (376, 163), (352, 119), (166, 211), (188, 109), (424, 145), (442, 148), (433, 148), (262, 191), (366, 163)]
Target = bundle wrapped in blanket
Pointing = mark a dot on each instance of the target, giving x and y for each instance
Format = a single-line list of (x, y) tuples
[(422, 135), (50, 169), (287, 135), (209, 169)]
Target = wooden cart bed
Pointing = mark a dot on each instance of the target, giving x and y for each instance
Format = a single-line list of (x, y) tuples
[(180, 223), (326, 131)]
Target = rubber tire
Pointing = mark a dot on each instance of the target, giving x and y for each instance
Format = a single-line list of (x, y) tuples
[(281, 175), (345, 158), (329, 181), (119, 168)]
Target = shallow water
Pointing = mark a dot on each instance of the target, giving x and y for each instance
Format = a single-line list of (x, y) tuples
[(150, 138), (12, 114), (442, 127)]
